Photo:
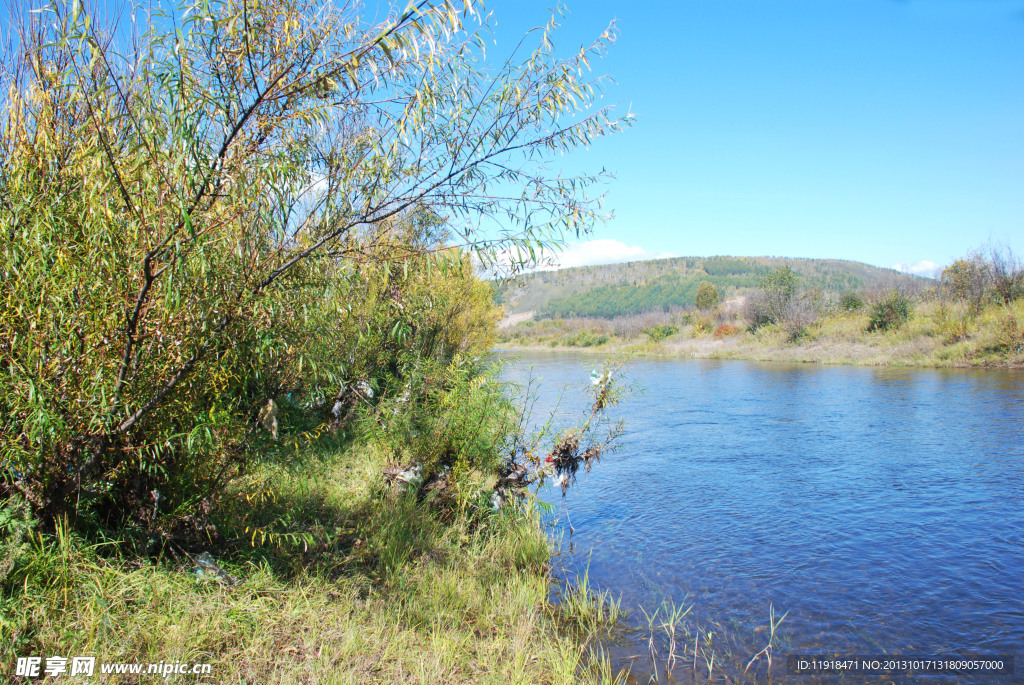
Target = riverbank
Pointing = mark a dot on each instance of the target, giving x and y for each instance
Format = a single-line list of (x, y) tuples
[(931, 338), (359, 585)]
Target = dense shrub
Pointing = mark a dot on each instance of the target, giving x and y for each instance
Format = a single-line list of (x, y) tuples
[(823, 303), (702, 324), (630, 327), (661, 331), (966, 280), (450, 419), (707, 296), (585, 339), (889, 311), (851, 302)]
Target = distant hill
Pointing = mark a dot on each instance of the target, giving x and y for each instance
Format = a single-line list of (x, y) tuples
[(612, 290)]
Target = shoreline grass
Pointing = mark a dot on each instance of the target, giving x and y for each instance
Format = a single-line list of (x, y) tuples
[(390, 590)]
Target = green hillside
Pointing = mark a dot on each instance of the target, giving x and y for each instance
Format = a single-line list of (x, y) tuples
[(612, 290)]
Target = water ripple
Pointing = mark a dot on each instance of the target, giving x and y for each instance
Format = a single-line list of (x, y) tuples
[(884, 508)]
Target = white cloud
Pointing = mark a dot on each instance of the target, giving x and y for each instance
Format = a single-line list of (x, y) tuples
[(922, 268), (603, 251), (589, 253)]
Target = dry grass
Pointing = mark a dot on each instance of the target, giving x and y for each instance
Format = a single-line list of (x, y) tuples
[(931, 338)]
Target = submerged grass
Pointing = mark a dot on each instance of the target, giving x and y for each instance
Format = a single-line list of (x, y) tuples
[(588, 610), (354, 585)]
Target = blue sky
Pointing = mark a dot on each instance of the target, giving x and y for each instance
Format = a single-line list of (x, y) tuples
[(881, 131)]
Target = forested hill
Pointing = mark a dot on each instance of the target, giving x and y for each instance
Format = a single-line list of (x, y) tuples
[(618, 289)]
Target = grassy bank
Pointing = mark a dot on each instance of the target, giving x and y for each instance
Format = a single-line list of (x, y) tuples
[(362, 585), (934, 336)]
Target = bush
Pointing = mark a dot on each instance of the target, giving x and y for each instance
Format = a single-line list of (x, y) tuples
[(1006, 271), (778, 288), (707, 296), (1010, 334), (768, 305), (661, 331), (756, 310), (702, 324), (451, 419), (725, 330), (799, 314), (966, 280), (823, 303), (890, 311), (585, 339), (851, 302), (952, 323)]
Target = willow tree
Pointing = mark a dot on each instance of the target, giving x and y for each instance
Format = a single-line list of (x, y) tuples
[(171, 180)]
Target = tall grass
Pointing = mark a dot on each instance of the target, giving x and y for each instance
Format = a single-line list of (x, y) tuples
[(384, 591), (589, 610)]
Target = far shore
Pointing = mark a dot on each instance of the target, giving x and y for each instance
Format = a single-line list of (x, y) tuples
[(843, 340), (797, 355)]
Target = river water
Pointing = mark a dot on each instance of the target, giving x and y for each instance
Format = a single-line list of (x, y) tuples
[(882, 508)]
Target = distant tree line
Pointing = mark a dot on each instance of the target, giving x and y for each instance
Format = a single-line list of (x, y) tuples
[(674, 290)]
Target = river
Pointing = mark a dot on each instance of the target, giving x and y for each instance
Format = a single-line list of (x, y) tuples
[(882, 508)]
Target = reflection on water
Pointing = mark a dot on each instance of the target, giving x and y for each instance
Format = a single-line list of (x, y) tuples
[(883, 508)]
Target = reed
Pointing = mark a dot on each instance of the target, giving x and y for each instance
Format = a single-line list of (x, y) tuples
[(590, 610), (766, 651)]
